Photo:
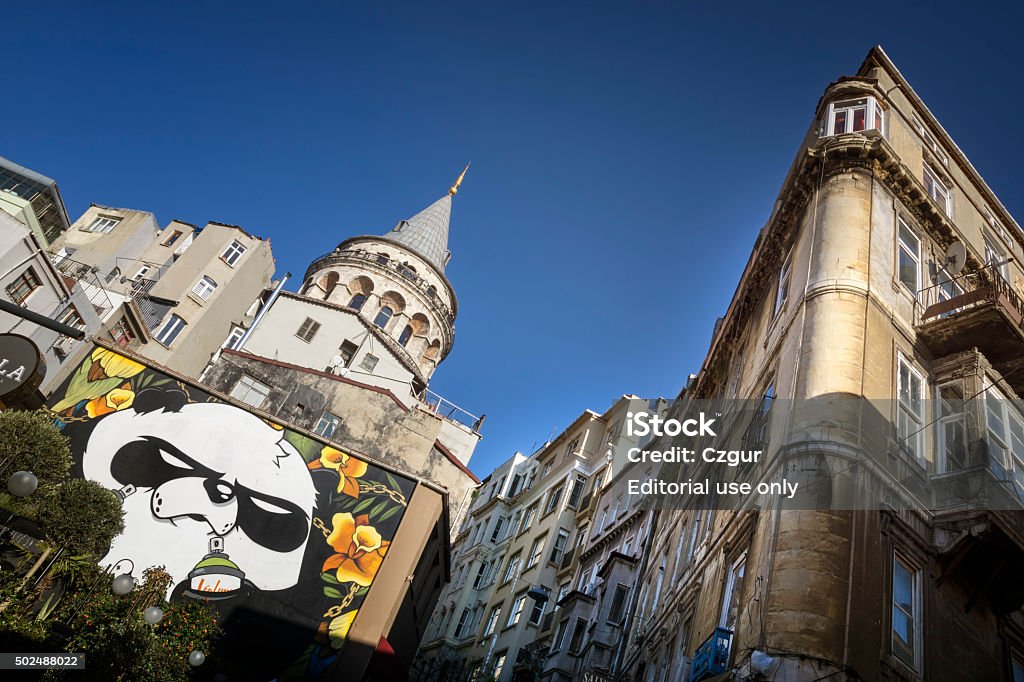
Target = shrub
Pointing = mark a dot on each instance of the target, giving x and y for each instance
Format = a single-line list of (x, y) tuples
[(81, 515), (34, 444)]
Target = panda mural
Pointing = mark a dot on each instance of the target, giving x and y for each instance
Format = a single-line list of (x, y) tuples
[(184, 485), (279, 532)]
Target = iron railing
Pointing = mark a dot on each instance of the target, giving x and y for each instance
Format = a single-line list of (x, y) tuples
[(712, 657), (966, 291), (87, 280), (450, 411)]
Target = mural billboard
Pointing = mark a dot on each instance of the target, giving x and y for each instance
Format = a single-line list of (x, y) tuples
[(282, 533)]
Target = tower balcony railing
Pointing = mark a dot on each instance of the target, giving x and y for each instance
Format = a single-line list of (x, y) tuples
[(712, 657), (450, 411), (377, 261)]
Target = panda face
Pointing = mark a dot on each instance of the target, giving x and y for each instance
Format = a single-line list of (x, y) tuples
[(207, 470)]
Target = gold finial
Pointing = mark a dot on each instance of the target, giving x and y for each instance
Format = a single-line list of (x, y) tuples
[(454, 189)]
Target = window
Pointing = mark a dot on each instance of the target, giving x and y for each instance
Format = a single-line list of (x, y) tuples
[(517, 483), (250, 391), (995, 255), (143, 271), (558, 549), (579, 483), (581, 535), (122, 333), (782, 290), (617, 611), (909, 263), (937, 190), (554, 497), (764, 414), (492, 620), (584, 582), (853, 116), (537, 612), (513, 567), (536, 549), (1017, 669), (327, 425), (406, 334), (234, 337), (499, 664), (173, 237), (909, 420), (383, 317), (71, 318), (348, 351), (20, 289), (517, 610), (481, 574), (576, 642), (103, 225), (627, 546), (531, 514), (946, 287), (1005, 437), (573, 447), (930, 144), (906, 612), (369, 362), (556, 643), (357, 301), (732, 593), (169, 332), (465, 620), (498, 527), (204, 288), (233, 253), (952, 429), (308, 329)]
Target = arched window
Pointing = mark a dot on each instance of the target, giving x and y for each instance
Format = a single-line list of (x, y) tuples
[(329, 284), (406, 335), (383, 317), (432, 291), (357, 301)]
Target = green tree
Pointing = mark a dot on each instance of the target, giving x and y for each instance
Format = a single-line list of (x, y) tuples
[(81, 515), (32, 443)]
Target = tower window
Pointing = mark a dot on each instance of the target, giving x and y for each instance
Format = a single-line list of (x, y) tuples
[(357, 301), (383, 317), (406, 335), (853, 116)]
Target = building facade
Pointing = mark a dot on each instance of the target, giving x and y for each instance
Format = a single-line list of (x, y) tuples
[(530, 548), (33, 199), (877, 327)]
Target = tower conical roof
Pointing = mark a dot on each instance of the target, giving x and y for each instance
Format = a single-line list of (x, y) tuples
[(426, 233)]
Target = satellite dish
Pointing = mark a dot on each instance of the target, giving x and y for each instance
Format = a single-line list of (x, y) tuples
[(336, 360), (956, 258)]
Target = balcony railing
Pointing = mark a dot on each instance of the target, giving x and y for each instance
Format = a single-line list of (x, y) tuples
[(712, 657), (87, 281), (452, 412)]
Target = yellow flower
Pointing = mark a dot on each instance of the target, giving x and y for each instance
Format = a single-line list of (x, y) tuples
[(349, 469), (337, 630), (107, 363), (360, 549), (117, 399)]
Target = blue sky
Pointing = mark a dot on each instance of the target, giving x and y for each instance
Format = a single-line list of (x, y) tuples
[(625, 154)]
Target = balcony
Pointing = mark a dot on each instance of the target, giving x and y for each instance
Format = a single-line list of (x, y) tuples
[(452, 412), (87, 280), (978, 310), (711, 657)]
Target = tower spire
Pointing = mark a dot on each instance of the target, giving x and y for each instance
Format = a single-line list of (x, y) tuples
[(454, 189)]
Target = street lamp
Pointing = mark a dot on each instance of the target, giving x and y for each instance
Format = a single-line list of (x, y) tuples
[(123, 584), (196, 658), (22, 483), (153, 615)]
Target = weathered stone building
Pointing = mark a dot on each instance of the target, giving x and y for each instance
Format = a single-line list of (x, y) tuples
[(877, 328)]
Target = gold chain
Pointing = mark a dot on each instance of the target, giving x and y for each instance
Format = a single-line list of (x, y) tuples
[(381, 489), (317, 523), (337, 609)]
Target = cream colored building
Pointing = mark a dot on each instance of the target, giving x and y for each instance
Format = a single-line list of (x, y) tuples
[(878, 327)]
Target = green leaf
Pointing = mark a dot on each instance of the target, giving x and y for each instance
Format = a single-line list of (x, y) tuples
[(332, 593), (328, 578), (363, 504), (389, 513), (361, 591), (392, 482), (378, 510)]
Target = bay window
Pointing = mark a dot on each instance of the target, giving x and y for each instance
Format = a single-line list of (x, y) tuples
[(853, 116)]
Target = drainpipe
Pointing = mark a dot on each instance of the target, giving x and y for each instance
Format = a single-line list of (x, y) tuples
[(263, 311)]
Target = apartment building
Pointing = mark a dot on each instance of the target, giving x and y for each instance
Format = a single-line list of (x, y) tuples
[(518, 556), (877, 325), (34, 200)]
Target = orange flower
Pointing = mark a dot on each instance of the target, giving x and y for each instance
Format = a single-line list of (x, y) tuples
[(360, 549), (349, 469), (117, 399)]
